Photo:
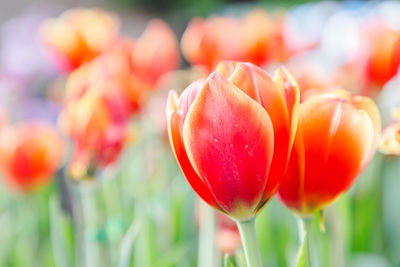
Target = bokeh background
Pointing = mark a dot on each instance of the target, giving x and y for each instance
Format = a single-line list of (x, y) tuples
[(125, 202)]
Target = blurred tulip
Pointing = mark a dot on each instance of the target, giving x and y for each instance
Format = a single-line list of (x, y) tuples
[(79, 35), (98, 136), (390, 140), (257, 38), (383, 58), (208, 41), (232, 135), (128, 71), (30, 154), (335, 139), (155, 53), (262, 38)]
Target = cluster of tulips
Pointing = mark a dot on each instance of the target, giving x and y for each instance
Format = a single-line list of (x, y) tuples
[(239, 135), (110, 80)]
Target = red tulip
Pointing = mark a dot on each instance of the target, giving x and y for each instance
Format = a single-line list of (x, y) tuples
[(30, 154), (335, 139), (232, 135)]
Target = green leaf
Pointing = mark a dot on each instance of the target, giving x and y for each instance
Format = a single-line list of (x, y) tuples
[(302, 254), (228, 261)]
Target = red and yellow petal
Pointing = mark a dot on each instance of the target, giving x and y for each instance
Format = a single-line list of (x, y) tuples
[(175, 136), (229, 140), (280, 99)]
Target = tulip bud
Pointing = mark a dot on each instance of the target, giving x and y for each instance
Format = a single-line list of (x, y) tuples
[(232, 135), (336, 137)]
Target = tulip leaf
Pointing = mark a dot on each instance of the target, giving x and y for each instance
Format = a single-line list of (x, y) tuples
[(228, 261)]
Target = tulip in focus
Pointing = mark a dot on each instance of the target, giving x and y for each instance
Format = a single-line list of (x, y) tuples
[(30, 155), (78, 36), (336, 138), (232, 135)]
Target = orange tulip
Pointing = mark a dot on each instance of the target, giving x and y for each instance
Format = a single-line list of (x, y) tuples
[(30, 154), (79, 35), (155, 53), (262, 38), (208, 41), (383, 58), (335, 139), (98, 134), (127, 72), (256, 38), (232, 135)]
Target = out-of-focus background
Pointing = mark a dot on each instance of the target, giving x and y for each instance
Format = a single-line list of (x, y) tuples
[(88, 175)]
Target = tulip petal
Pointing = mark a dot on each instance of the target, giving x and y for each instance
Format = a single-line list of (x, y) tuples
[(174, 132), (280, 100), (229, 140), (366, 104), (226, 68)]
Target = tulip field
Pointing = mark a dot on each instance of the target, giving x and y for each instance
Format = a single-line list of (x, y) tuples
[(200, 133)]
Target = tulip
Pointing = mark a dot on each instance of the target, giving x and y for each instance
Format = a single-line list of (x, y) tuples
[(30, 154), (383, 57), (335, 139), (208, 41), (99, 136), (155, 53), (257, 37), (78, 36), (261, 45), (232, 135)]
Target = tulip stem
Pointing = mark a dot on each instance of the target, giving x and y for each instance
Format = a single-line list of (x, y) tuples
[(305, 235), (249, 241)]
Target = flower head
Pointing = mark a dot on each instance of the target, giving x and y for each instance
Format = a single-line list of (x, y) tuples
[(336, 137), (232, 135)]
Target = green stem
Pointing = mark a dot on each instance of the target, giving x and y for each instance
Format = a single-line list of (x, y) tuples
[(305, 235), (249, 241)]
